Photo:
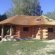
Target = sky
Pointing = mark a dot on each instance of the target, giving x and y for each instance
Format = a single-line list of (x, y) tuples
[(46, 5), (5, 5)]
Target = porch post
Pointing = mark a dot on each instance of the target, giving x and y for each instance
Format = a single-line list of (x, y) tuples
[(2, 31), (10, 30)]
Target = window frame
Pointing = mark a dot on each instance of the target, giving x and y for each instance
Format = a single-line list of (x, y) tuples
[(50, 29)]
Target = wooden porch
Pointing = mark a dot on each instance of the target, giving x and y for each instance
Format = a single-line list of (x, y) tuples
[(14, 31)]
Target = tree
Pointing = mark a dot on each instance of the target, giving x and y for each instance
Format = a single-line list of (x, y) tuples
[(25, 7), (50, 14), (32, 7), (3, 17)]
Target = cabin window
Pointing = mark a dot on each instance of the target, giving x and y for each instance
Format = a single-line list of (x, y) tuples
[(26, 29), (50, 29)]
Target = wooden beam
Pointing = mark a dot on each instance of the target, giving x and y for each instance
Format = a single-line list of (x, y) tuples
[(10, 30), (2, 31)]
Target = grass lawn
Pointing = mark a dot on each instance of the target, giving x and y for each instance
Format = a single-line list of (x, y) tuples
[(31, 47)]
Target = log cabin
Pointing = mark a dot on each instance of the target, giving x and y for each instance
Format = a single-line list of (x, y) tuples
[(36, 27)]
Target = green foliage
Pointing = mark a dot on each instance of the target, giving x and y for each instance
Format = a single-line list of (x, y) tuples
[(51, 15), (3, 17), (25, 7)]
